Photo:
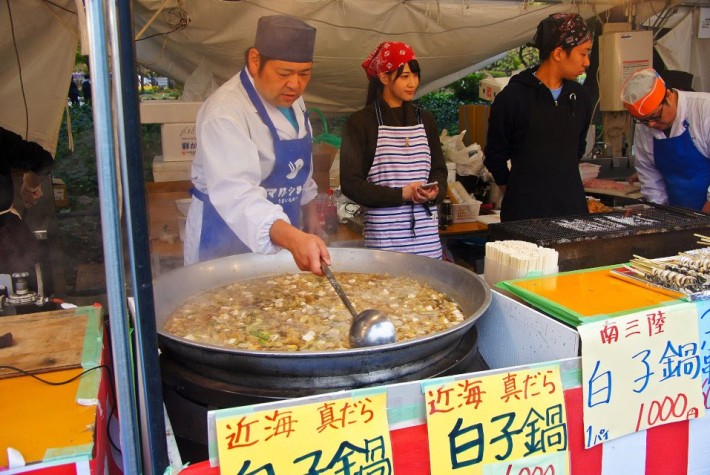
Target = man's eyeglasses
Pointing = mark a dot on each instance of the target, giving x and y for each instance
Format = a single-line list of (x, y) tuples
[(655, 118)]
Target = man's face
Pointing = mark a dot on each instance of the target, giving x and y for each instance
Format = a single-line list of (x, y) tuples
[(661, 117), (280, 83), (576, 62)]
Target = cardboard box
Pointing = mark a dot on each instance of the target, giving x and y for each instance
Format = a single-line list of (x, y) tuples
[(473, 118), (489, 88), (179, 142), (171, 171), (61, 197), (169, 112)]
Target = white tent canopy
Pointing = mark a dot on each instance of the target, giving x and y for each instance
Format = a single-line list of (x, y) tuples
[(452, 38), (38, 43)]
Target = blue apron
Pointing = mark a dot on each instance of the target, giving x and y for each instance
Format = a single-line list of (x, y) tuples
[(284, 186), (685, 170)]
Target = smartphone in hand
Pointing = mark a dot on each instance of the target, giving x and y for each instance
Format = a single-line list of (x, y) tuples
[(427, 186)]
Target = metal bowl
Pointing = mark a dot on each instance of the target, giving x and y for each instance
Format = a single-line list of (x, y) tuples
[(338, 368)]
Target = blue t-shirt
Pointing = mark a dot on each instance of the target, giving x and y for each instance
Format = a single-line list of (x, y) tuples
[(288, 113), (556, 92)]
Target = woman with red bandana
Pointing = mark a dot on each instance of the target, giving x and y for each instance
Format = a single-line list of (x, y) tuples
[(390, 148), (539, 123)]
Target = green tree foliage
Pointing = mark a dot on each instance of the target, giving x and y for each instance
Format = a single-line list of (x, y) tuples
[(466, 89), (444, 103), (77, 168), (445, 106)]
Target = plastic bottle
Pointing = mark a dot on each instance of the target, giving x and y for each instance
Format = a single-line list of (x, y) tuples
[(331, 213), (445, 214)]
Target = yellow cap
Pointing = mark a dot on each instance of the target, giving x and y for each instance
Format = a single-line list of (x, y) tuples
[(643, 92)]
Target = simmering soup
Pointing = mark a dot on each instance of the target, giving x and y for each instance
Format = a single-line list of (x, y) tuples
[(302, 312)]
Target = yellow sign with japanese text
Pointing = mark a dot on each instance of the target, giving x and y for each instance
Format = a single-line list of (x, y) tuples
[(641, 370), (498, 424), (337, 436)]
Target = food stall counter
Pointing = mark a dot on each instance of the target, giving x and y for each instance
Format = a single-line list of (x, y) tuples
[(59, 423)]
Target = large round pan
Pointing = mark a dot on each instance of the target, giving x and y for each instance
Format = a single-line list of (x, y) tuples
[(341, 368)]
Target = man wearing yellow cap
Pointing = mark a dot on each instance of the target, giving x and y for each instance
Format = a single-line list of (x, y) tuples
[(253, 188), (671, 141)]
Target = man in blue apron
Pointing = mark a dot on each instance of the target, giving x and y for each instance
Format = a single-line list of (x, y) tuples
[(253, 190), (671, 141)]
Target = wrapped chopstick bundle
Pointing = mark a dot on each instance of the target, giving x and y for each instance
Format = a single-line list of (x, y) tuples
[(506, 260)]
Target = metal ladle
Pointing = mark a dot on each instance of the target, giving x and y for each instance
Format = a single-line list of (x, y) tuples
[(370, 327)]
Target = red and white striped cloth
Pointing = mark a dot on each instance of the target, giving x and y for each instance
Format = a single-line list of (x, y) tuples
[(680, 448)]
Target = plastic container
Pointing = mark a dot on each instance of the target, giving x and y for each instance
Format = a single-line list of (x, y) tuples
[(330, 213), (465, 212)]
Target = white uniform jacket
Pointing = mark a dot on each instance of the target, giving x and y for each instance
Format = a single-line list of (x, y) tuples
[(693, 107), (234, 154)]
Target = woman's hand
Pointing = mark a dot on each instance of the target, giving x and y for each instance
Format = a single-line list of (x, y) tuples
[(416, 194)]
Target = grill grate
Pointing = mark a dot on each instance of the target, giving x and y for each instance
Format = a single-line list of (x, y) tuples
[(549, 231)]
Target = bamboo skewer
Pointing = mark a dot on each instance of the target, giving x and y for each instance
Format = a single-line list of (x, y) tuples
[(671, 275)]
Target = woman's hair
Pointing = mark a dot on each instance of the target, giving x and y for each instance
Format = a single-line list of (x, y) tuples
[(375, 87)]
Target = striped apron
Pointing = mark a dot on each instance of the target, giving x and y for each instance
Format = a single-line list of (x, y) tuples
[(401, 157)]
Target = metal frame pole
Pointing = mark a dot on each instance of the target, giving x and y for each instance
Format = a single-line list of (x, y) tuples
[(111, 231), (150, 395)]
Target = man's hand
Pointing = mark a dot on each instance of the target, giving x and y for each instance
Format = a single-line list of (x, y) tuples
[(307, 249), (706, 208)]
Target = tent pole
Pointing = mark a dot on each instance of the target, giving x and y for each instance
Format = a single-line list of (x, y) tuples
[(111, 231), (150, 395)]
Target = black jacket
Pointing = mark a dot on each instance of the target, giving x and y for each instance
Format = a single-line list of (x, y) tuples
[(19, 250), (18, 154), (544, 140)]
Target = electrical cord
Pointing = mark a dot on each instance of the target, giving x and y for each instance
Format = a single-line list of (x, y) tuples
[(74, 378), (53, 383), (179, 21), (353, 209)]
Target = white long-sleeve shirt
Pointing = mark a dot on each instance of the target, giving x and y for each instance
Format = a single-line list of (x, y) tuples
[(235, 152), (693, 107)]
